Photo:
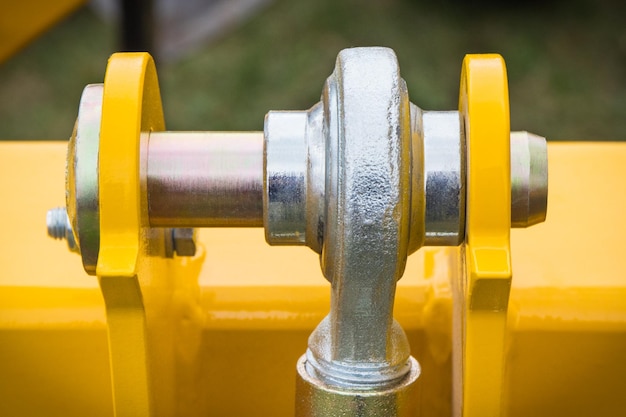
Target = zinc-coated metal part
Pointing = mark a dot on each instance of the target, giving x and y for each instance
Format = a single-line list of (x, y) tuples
[(294, 171), (200, 179), (285, 166), (444, 178), (81, 186), (59, 227), (529, 179), (316, 398), (359, 346), (481, 297)]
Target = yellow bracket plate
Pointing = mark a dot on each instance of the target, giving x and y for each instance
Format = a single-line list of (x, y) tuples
[(131, 105), (481, 300)]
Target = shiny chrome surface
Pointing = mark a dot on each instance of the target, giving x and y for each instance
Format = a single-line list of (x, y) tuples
[(199, 179), (444, 178), (285, 175), (295, 178), (82, 177), (529, 179)]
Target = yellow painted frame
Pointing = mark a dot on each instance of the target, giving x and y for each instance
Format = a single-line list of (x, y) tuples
[(227, 327)]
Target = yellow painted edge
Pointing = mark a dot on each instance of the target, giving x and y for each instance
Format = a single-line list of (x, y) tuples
[(131, 105), (484, 105)]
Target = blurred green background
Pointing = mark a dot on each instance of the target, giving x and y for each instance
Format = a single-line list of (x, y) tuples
[(566, 63)]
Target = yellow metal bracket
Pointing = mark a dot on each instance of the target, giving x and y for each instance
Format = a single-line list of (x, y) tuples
[(481, 298), (131, 105)]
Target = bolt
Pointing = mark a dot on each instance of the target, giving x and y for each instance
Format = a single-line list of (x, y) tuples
[(59, 227)]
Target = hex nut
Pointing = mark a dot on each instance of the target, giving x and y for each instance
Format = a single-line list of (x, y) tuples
[(184, 242)]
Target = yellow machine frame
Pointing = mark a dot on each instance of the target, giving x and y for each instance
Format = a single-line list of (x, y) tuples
[(534, 327)]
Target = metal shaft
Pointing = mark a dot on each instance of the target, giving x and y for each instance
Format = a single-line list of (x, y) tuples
[(200, 179), (529, 179)]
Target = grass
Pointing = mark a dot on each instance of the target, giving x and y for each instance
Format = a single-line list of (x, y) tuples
[(566, 64)]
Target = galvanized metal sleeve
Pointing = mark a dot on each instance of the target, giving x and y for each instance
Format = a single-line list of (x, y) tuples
[(285, 172), (444, 178), (200, 179), (315, 398)]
